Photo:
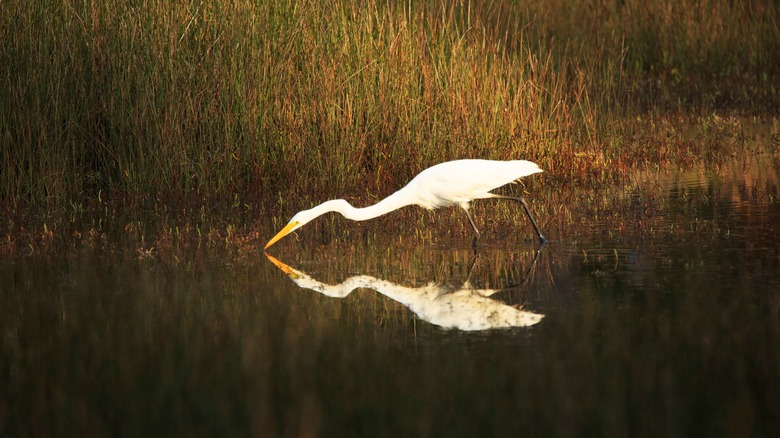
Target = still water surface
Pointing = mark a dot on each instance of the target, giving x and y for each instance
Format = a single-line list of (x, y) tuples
[(661, 326)]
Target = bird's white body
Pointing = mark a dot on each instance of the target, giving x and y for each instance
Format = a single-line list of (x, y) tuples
[(461, 181), (447, 184), (457, 307)]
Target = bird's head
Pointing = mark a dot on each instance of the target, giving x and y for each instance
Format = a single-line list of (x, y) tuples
[(304, 217), (300, 219)]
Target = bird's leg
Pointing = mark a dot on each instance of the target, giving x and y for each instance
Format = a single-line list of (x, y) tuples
[(472, 262), (532, 268), (528, 272), (542, 239), (476, 231)]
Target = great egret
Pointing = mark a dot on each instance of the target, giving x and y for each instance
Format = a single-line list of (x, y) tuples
[(443, 185), (461, 307)]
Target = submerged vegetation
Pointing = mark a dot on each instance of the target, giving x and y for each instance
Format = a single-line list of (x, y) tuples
[(231, 106)]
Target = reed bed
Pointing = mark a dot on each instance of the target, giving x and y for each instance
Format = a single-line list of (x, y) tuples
[(274, 105)]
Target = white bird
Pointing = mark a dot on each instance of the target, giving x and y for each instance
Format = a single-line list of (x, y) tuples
[(443, 185), (454, 307)]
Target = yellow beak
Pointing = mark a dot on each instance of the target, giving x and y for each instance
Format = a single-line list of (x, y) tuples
[(285, 231), (286, 269)]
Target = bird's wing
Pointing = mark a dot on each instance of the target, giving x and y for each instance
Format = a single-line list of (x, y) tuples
[(461, 181)]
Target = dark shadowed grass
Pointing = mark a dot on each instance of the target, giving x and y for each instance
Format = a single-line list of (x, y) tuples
[(198, 106), (638, 204)]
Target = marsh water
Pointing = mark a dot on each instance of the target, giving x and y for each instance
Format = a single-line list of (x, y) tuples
[(666, 322)]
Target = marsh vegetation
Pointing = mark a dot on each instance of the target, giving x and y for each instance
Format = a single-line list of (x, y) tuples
[(199, 107)]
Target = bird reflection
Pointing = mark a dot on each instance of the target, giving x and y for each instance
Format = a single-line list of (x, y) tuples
[(462, 308)]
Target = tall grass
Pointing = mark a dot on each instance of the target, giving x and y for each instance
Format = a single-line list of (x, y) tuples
[(191, 102)]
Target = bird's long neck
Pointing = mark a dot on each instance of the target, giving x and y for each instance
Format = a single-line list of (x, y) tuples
[(391, 203)]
